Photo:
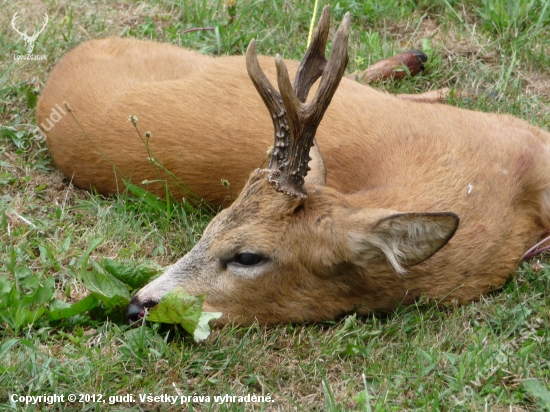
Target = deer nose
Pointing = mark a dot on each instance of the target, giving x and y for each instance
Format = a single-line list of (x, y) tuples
[(136, 310), (422, 58), (134, 313)]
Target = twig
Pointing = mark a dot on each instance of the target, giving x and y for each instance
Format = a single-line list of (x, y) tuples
[(534, 250), (27, 221)]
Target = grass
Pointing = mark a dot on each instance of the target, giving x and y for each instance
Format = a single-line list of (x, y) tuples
[(490, 355)]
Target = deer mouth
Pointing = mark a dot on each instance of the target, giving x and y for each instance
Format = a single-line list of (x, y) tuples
[(136, 310)]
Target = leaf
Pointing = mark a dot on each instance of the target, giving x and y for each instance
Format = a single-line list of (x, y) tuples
[(83, 261), (11, 262), (45, 293), (177, 307), (133, 274), (538, 391), (203, 329), (150, 199), (24, 316), (5, 288), (521, 314), (10, 299), (62, 310), (104, 286), (22, 272), (5, 347)]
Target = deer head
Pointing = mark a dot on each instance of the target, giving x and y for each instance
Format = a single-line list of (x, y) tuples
[(29, 39), (289, 248)]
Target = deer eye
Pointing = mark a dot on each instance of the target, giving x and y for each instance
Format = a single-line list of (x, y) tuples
[(248, 259)]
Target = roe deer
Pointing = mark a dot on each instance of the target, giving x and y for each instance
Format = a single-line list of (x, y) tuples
[(384, 228), (291, 248)]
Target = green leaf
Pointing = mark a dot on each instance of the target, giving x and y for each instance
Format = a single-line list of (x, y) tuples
[(177, 307), (22, 272), (150, 199), (24, 316), (5, 347), (538, 391), (9, 301), (203, 329), (11, 261), (45, 293), (521, 314), (104, 286), (31, 282), (133, 274), (83, 261), (60, 309), (5, 289)]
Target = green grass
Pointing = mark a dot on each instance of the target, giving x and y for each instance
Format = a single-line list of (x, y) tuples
[(490, 355)]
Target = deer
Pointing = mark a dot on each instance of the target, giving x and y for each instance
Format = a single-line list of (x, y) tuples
[(28, 39), (385, 202), (196, 107)]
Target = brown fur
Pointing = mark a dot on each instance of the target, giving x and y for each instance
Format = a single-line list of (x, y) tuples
[(393, 167)]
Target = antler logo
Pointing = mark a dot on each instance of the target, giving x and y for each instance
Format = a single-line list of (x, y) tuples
[(28, 39)]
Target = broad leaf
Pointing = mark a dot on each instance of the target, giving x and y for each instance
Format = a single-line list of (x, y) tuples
[(538, 391), (177, 307), (203, 329), (133, 274), (104, 286), (63, 310), (5, 289)]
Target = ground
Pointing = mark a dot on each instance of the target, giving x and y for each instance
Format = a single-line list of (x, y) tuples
[(490, 355)]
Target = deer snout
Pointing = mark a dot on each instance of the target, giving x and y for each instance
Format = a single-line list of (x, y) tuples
[(136, 309)]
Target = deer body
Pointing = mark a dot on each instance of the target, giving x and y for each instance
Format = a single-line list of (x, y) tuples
[(199, 110), (380, 232)]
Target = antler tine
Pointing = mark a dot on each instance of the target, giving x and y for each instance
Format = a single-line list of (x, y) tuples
[(314, 60), (305, 118), (274, 104), (334, 70)]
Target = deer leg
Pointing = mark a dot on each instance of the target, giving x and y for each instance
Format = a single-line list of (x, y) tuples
[(440, 95), (396, 67)]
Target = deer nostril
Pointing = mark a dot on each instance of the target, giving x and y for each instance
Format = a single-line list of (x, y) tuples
[(134, 312), (421, 56)]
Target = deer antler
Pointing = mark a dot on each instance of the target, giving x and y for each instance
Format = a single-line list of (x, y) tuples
[(294, 121)]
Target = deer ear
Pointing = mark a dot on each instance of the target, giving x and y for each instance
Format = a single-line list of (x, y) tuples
[(317, 176), (404, 239)]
